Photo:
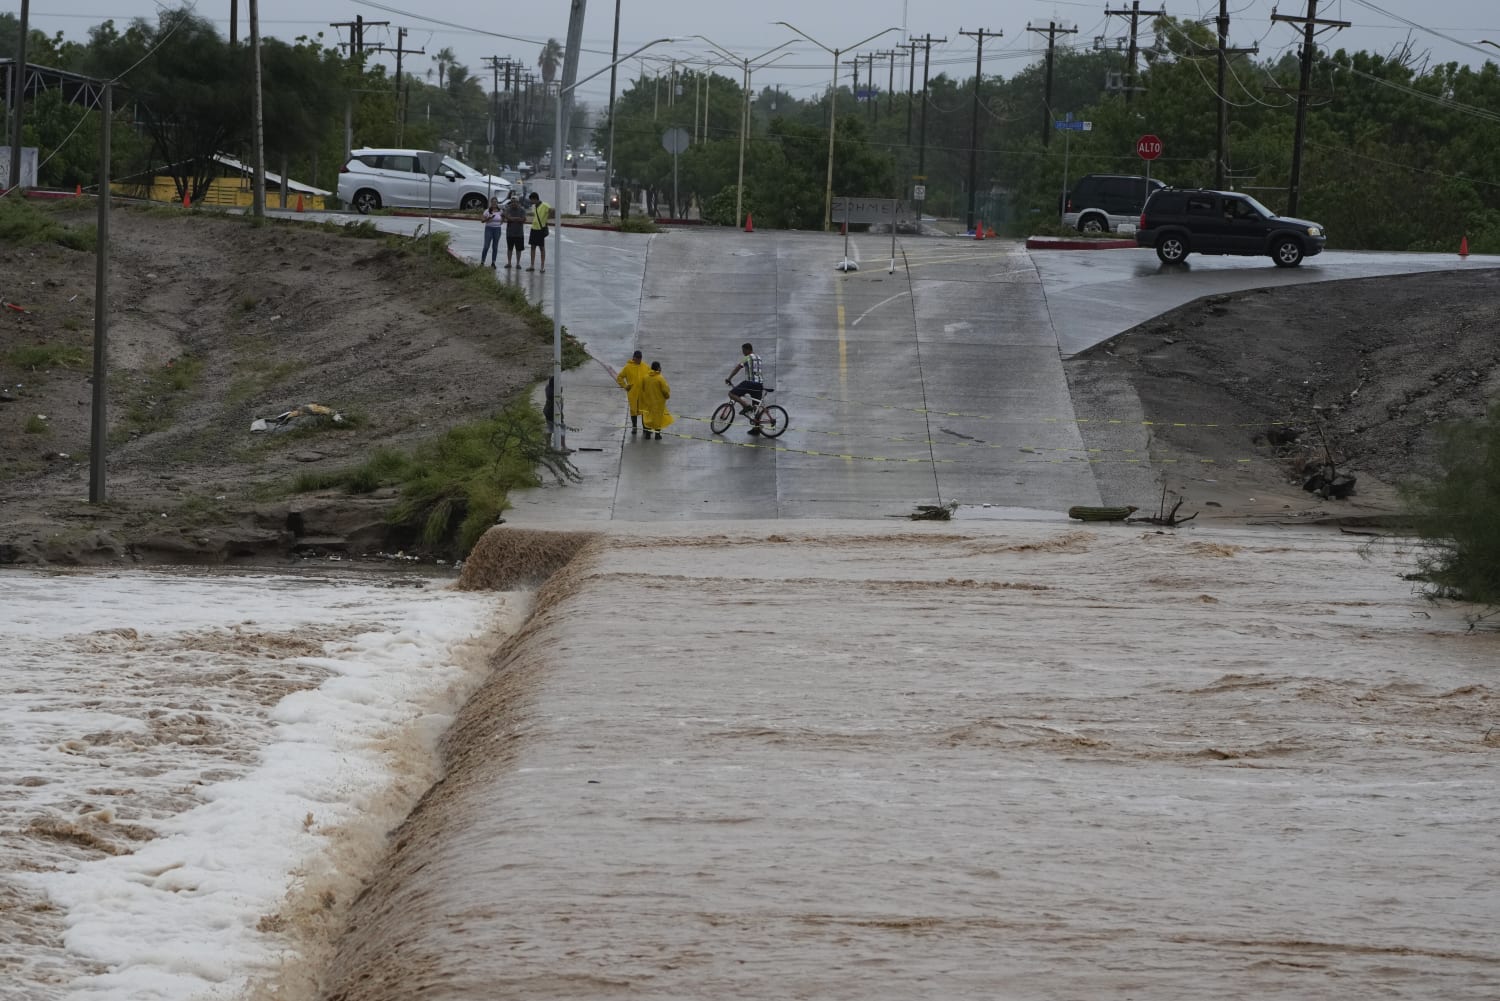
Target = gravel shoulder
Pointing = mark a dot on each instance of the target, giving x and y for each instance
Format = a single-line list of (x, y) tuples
[(1247, 394)]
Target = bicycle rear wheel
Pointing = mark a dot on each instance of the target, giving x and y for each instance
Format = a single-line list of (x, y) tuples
[(722, 418), (773, 421)]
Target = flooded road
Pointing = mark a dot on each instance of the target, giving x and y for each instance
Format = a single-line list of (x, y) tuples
[(976, 760)]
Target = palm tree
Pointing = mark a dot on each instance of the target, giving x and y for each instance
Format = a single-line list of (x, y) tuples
[(551, 57), (444, 59)]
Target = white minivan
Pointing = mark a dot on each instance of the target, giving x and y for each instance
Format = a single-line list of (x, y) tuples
[(395, 178)]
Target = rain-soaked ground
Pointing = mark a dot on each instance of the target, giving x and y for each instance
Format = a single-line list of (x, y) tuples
[(977, 760)]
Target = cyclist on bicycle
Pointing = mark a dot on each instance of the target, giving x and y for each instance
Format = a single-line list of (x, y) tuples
[(750, 390)]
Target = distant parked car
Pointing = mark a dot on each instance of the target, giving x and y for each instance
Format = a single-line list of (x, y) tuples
[(1102, 203), (1180, 221), (394, 178), (525, 169)]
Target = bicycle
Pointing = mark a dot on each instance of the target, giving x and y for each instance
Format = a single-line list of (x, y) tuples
[(766, 419)]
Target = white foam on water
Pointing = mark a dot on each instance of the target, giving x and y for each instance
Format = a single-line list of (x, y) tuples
[(183, 750)]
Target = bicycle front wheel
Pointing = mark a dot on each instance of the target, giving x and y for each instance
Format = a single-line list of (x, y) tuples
[(722, 418), (773, 421)]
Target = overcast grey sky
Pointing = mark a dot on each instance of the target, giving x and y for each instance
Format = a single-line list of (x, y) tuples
[(747, 27)]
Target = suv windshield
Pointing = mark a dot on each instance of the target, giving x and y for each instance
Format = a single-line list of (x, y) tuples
[(461, 169), (1257, 205)]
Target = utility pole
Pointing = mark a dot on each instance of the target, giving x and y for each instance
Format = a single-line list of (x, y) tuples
[(494, 63), (1221, 161), (911, 87), (99, 417), (258, 183), (1135, 14), (978, 36), (1310, 25), (357, 33), (926, 41), (855, 63), (17, 97), (1052, 30), (234, 22), (870, 83), (401, 50), (890, 83), (609, 156)]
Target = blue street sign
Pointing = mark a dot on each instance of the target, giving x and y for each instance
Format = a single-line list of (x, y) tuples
[(1071, 126)]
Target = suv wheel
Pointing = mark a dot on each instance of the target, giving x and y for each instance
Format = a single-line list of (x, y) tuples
[(1093, 224), (1288, 252), (366, 201), (472, 202), (1172, 248)]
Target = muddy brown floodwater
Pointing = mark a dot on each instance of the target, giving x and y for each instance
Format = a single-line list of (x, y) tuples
[(987, 760)]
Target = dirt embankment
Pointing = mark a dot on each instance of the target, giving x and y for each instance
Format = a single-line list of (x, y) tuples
[(213, 323), (1365, 372)]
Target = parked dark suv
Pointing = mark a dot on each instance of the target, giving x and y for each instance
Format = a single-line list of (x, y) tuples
[(1102, 203), (1182, 221)]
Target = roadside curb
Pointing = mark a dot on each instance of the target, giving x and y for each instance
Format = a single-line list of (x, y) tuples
[(1063, 243)]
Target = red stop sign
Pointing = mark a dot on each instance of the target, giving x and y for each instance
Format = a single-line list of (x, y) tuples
[(1148, 147)]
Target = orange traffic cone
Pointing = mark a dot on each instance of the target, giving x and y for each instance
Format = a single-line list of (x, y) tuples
[(77, 190), (299, 202), (979, 230), (749, 223), (989, 233), (1463, 247), (844, 231), (187, 202)]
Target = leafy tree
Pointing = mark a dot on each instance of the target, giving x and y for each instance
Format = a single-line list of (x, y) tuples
[(189, 91)]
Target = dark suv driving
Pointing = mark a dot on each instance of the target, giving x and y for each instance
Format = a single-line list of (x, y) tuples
[(1182, 221)]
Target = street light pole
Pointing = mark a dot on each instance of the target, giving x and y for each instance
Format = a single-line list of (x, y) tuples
[(833, 100), (739, 187), (559, 427), (609, 161)]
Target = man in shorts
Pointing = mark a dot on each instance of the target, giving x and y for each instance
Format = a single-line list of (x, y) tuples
[(541, 218), (515, 228), (752, 388)]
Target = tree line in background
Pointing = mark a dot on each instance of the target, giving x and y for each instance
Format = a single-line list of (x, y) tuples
[(1398, 154), (185, 98)]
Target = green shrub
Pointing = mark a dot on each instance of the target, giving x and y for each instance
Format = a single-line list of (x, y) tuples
[(1456, 513), (23, 223), (454, 487), (637, 224)]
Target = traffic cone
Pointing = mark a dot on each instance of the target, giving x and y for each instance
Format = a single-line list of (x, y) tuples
[(77, 190), (989, 233), (1463, 247), (187, 202), (845, 230), (749, 223), (979, 230), (299, 202)]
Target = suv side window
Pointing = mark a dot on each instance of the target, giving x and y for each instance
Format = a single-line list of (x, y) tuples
[(1201, 205), (402, 162), (1238, 209)]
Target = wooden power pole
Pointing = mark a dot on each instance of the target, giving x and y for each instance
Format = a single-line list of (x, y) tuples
[(1052, 30), (1310, 25)]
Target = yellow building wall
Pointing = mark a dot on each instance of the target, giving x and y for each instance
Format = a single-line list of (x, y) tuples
[(227, 192)]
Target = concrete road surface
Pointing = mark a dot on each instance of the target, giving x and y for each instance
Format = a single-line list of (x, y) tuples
[(940, 382)]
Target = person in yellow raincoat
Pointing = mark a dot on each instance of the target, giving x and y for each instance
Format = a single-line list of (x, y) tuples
[(654, 396), (631, 377)]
